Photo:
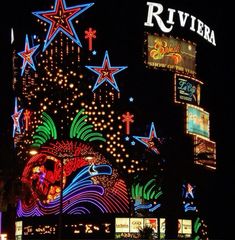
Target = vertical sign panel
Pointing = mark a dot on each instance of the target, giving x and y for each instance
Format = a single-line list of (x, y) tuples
[(205, 153), (197, 121), (187, 90)]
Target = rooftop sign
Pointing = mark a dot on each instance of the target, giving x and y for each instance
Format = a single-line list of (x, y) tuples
[(174, 16)]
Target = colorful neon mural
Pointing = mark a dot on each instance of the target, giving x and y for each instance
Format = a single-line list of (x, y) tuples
[(86, 150), (146, 196), (89, 183)]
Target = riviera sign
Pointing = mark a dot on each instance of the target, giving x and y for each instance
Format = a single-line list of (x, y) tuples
[(195, 25)]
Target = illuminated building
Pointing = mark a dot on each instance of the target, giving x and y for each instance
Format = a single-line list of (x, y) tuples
[(101, 153)]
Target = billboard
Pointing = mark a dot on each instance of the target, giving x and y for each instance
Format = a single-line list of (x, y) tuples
[(171, 53), (18, 228), (74, 227), (3, 236), (184, 228), (130, 227), (197, 121), (122, 225), (205, 153), (187, 89), (136, 224), (151, 222)]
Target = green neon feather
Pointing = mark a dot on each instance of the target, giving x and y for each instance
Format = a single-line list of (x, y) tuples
[(97, 138), (44, 131), (85, 130), (72, 128)]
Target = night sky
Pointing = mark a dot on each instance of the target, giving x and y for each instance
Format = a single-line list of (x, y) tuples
[(120, 24)]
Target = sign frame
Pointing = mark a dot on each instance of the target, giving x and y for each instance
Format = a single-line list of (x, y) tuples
[(187, 89), (197, 121)]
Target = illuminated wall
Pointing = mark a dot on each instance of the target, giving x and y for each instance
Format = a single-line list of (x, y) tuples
[(66, 110), (92, 147)]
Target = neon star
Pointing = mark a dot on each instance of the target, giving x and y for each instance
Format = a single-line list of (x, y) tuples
[(149, 141), (16, 118), (188, 190), (60, 20), (106, 73), (27, 55)]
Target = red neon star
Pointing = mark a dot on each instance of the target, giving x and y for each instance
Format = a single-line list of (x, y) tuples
[(27, 55), (60, 19), (106, 73), (16, 119), (149, 141)]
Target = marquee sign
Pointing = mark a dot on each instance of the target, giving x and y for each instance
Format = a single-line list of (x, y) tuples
[(133, 225), (197, 121), (184, 227), (122, 225), (74, 228), (171, 53), (174, 17), (205, 153), (187, 90)]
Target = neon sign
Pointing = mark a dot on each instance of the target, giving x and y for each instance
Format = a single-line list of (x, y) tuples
[(171, 53), (60, 20), (187, 90), (185, 19), (106, 73), (197, 121)]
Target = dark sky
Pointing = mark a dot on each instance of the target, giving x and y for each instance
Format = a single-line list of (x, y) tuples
[(120, 24)]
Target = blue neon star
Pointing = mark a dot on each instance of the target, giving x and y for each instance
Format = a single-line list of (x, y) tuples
[(148, 141), (106, 73), (188, 190), (16, 118), (27, 55), (60, 20)]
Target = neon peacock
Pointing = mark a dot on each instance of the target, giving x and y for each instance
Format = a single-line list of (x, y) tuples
[(90, 183)]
